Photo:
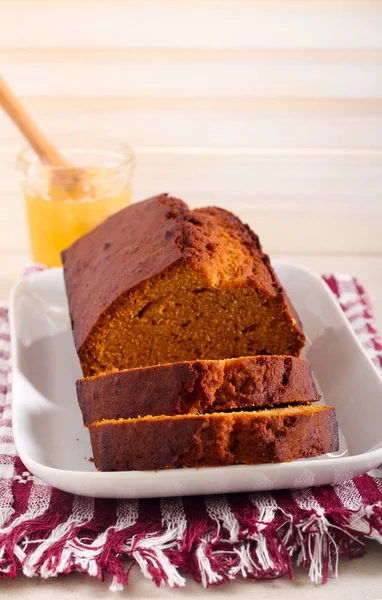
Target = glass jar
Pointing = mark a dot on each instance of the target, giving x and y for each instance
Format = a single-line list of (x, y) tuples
[(64, 203)]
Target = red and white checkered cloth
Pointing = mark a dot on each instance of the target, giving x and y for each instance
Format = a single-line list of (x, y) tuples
[(44, 532)]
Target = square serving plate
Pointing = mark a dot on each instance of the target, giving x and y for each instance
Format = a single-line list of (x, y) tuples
[(54, 445)]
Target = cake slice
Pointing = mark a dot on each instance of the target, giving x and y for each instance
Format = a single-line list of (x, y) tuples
[(196, 387), (251, 437), (159, 283)]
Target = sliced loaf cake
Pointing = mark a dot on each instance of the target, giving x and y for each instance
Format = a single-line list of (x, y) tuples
[(188, 344)]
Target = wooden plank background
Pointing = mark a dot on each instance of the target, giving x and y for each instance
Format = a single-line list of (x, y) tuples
[(232, 24), (270, 108)]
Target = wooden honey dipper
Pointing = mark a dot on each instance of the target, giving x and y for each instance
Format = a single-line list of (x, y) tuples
[(71, 180)]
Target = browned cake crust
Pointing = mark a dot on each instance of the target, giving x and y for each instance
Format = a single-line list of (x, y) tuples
[(196, 387), (160, 283), (264, 436)]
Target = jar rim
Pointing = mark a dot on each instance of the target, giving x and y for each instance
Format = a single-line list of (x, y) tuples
[(123, 155)]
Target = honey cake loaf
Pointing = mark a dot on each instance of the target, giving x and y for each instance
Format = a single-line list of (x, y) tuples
[(217, 439), (159, 283), (196, 387)]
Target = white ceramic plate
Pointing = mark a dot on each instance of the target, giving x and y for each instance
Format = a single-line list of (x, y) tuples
[(54, 445)]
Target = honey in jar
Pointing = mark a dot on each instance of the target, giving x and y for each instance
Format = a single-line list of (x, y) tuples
[(62, 204)]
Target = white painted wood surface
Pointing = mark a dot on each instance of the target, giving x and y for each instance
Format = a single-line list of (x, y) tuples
[(243, 24), (204, 122), (271, 108), (185, 73)]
